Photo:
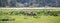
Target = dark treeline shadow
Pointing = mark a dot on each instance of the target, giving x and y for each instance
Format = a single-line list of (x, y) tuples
[(29, 3)]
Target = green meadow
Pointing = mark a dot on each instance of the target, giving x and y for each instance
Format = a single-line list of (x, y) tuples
[(42, 16)]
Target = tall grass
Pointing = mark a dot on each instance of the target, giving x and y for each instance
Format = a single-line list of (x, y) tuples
[(42, 16)]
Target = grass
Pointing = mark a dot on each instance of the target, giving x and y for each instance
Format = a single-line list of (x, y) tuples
[(20, 18)]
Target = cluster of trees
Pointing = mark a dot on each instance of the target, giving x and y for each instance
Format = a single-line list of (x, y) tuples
[(3, 3), (27, 3)]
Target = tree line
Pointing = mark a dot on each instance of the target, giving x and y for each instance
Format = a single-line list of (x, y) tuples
[(27, 3)]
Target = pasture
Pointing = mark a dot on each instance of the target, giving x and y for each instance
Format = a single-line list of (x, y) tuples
[(18, 16)]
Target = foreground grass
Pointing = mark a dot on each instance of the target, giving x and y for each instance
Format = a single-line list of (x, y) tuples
[(29, 19)]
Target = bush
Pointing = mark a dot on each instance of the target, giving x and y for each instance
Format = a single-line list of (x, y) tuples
[(30, 13), (36, 17), (7, 19), (52, 13)]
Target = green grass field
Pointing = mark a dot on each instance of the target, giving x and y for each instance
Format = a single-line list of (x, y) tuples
[(41, 16)]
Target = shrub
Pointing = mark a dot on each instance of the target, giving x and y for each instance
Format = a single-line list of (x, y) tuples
[(30, 13), (36, 17), (52, 13), (7, 19)]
